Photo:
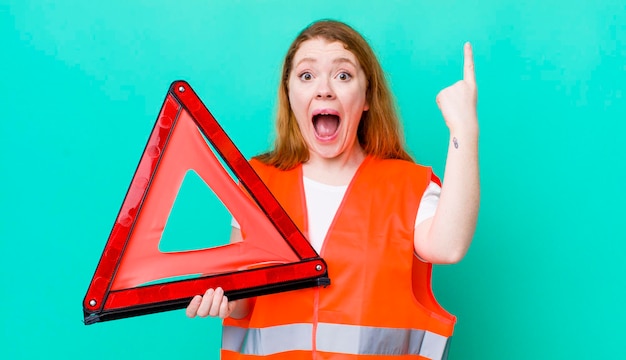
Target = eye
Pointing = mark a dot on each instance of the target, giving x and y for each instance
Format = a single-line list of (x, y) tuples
[(306, 76), (344, 76)]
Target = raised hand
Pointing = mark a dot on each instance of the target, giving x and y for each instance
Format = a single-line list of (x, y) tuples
[(457, 102), (446, 237)]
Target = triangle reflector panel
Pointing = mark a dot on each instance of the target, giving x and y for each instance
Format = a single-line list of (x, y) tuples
[(274, 256)]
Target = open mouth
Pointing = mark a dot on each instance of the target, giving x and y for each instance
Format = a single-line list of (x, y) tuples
[(326, 125)]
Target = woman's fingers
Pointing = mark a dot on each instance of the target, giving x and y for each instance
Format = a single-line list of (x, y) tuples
[(218, 297), (192, 308), (225, 308), (469, 74), (207, 301), (212, 303)]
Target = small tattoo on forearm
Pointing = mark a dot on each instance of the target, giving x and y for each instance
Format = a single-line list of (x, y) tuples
[(456, 143)]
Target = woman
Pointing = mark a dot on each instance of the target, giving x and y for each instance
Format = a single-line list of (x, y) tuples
[(339, 168)]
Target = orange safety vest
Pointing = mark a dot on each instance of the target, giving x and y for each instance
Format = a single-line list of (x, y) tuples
[(379, 303)]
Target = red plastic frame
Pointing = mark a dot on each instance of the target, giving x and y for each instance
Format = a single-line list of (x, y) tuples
[(116, 291)]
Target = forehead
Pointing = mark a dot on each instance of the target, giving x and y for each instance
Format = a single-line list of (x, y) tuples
[(318, 49)]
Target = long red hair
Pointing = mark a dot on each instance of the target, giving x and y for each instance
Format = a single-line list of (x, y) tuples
[(379, 132)]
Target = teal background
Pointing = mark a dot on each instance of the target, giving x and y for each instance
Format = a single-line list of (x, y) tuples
[(82, 84)]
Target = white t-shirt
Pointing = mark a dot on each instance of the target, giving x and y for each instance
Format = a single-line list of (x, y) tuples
[(323, 201)]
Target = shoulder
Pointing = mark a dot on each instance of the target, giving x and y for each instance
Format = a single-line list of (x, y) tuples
[(396, 166), (263, 170), (257, 164), (267, 171), (397, 170)]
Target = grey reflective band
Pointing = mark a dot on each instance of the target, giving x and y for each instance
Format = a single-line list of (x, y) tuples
[(366, 340), (233, 337), (275, 339), (336, 338)]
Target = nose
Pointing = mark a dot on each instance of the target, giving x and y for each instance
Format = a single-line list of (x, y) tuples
[(325, 90)]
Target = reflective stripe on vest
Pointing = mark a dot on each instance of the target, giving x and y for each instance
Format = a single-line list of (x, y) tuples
[(335, 338)]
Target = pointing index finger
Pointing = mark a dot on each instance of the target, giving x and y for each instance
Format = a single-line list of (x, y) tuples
[(468, 64)]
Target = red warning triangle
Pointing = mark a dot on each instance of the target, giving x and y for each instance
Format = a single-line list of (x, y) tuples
[(273, 257)]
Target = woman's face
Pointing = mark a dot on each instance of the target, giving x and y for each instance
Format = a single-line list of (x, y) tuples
[(327, 94)]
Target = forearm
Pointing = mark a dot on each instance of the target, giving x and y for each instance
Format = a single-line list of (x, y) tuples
[(451, 230)]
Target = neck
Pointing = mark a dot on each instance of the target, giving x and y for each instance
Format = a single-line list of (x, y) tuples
[(334, 171)]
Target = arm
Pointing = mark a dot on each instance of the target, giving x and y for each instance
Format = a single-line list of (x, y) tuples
[(446, 237), (215, 303)]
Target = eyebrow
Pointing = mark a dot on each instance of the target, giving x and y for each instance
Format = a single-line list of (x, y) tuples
[(335, 61)]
